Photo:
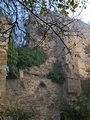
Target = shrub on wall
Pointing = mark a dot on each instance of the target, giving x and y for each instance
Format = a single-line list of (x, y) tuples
[(12, 60), (16, 114), (31, 57), (23, 58), (57, 73), (72, 110), (86, 88)]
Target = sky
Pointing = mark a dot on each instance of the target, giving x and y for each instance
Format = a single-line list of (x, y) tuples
[(85, 14)]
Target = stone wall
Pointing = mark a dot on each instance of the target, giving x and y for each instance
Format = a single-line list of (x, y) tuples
[(78, 60), (74, 63), (33, 89), (3, 54)]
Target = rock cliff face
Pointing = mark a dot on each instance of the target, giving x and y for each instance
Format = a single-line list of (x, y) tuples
[(81, 43), (79, 60), (73, 59)]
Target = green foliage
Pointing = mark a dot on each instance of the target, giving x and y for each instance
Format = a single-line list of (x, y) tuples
[(31, 57), (62, 5), (86, 88), (23, 59), (12, 60), (57, 73), (14, 72), (16, 114), (73, 110)]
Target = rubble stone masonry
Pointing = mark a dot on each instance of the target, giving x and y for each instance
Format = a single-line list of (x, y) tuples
[(3, 54)]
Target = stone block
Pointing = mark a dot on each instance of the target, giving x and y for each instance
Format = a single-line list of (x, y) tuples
[(4, 62), (74, 86), (21, 73), (2, 51), (3, 43), (3, 56), (2, 80), (2, 72), (2, 96)]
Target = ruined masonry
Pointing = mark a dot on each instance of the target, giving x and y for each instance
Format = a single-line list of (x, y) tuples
[(28, 90), (3, 55)]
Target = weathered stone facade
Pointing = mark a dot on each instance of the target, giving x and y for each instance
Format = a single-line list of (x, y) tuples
[(78, 60), (67, 57), (75, 62), (33, 89), (3, 54)]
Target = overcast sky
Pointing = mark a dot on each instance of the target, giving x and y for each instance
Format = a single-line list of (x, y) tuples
[(85, 15)]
